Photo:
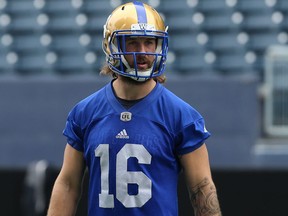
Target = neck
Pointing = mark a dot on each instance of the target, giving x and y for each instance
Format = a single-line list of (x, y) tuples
[(129, 89)]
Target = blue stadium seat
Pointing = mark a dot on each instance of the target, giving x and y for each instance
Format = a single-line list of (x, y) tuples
[(225, 41), (33, 63), (62, 23), (57, 7), (66, 20), (96, 23), (174, 7), (219, 22), (233, 63), (252, 6), (68, 42), (5, 67), (284, 25), (259, 22), (192, 63), (96, 40), (74, 63), (181, 22), (22, 22), (103, 7), (281, 5), (27, 42), (19, 7), (259, 42), (184, 42), (215, 6)]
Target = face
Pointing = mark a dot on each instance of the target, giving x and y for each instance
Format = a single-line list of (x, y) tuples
[(141, 44)]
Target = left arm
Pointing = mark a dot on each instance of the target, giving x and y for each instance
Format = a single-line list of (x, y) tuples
[(202, 191)]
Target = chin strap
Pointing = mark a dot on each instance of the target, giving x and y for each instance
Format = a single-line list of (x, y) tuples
[(143, 73)]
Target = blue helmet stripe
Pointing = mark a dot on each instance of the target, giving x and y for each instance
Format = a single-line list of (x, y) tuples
[(141, 13)]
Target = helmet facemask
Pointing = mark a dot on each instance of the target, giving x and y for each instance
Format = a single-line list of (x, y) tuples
[(118, 63), (135, 20)]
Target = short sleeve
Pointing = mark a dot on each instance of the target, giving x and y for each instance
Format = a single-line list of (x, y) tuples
[(73, 132), (192, 137)]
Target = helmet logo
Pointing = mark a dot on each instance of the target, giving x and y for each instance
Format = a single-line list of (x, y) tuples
[(143, 26)]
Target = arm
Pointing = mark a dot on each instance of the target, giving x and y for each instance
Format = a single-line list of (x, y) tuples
[(201, 188), (67, 187)]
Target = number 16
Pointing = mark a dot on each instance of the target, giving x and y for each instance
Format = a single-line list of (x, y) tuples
[(124, 177)]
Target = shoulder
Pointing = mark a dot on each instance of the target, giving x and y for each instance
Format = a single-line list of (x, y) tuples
[(177, 104), (91, 100), (173, 112)]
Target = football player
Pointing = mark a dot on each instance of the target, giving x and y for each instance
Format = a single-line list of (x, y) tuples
[(134, 135)]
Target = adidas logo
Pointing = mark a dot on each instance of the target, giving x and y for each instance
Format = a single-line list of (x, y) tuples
[(122, 135)]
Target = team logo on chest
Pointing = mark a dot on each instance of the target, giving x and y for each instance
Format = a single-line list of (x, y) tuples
[(126, 116)]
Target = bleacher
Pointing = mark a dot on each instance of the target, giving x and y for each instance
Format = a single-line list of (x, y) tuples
[(225, 37)]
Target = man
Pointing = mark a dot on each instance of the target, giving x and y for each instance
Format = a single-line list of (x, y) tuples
[(134, 135)]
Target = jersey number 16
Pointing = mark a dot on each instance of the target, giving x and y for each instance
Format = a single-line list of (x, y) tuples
[(124, 177)]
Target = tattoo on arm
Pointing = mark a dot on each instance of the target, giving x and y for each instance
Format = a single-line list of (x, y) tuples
[(204, 199)]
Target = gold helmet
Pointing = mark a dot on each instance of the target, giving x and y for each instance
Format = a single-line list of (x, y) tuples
[(139, 20)]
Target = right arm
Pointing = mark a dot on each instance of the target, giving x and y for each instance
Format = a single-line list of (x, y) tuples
[(201, 188), (67, 187)]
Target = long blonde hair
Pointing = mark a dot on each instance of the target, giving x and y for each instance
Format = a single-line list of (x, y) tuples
[(106, 71)]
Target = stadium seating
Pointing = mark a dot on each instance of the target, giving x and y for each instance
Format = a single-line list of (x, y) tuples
[(64, 37)]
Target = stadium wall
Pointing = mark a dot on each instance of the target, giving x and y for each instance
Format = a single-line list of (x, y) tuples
[(33, 114)]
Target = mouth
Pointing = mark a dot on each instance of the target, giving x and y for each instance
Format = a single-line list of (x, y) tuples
[(142, 65)]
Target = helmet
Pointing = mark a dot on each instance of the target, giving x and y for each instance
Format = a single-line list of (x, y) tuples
[(140, 20)]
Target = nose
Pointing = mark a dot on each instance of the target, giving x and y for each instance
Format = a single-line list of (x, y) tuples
[(141, 47)]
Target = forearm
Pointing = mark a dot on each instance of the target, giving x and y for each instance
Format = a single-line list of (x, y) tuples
[(204, 199), (64, 200)]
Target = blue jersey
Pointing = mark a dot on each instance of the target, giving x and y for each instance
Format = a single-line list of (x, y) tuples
[(132, 155)]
